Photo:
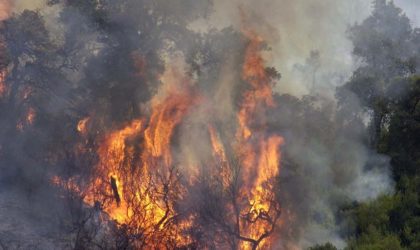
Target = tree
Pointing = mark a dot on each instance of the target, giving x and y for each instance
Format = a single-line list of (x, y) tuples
[(388, 86), (385, 43), (326, 246)]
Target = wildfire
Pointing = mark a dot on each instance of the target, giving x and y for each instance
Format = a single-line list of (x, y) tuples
[(28, 120), (166, 116), (3, 88), (259, 152), (138, 182), (82, 125), (30, 116), (113, 152)]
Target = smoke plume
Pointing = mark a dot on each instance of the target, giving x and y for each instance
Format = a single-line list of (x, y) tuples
[(167, 120)]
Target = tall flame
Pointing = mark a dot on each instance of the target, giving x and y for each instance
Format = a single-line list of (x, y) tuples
[(259, 151), (138, 182)]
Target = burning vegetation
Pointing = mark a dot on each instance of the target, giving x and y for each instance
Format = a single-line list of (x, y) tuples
[(140, 132), (142, 185)]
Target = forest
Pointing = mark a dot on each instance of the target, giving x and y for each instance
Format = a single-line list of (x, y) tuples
[(122, 127)]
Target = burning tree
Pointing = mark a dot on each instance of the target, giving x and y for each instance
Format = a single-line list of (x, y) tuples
[(129, 157), (162, 137), (162, 200)]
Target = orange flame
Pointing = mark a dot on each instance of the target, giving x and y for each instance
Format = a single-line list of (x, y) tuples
[(138, 183), (113, 152), (133, 184), (28, 120), (259, 153), (30, 117), (82, 125), (166, 116)]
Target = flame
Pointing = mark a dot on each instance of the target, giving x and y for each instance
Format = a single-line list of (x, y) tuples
[(254, 73), (113, 152), (30, 116), (139, 184), (164, 119), (222, 165), (82, 125), (69, 185), (28, 120), (259, 152), (135, 185)]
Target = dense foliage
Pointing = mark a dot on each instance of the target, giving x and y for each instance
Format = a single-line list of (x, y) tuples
[(388, 86)]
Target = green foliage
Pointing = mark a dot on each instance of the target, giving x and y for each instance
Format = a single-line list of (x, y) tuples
[(327, 246), (374, 216), (373, 220), (387, 85), (373, 240), (393, 222)]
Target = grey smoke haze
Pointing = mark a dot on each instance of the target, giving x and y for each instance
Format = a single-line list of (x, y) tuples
[(410, 7), (327, 167), (293, 28), (299, 26), (333, 172)]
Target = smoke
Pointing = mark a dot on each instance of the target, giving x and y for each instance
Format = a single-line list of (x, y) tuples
[(5, 9), (296, 29), (410, 8), (327, 164), (119, 71), (332, 168), (20, 5)]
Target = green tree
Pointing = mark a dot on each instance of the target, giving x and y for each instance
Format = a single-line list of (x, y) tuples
[(326, 246)]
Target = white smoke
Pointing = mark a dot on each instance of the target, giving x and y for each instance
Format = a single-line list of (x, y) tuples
[(298, 27)]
